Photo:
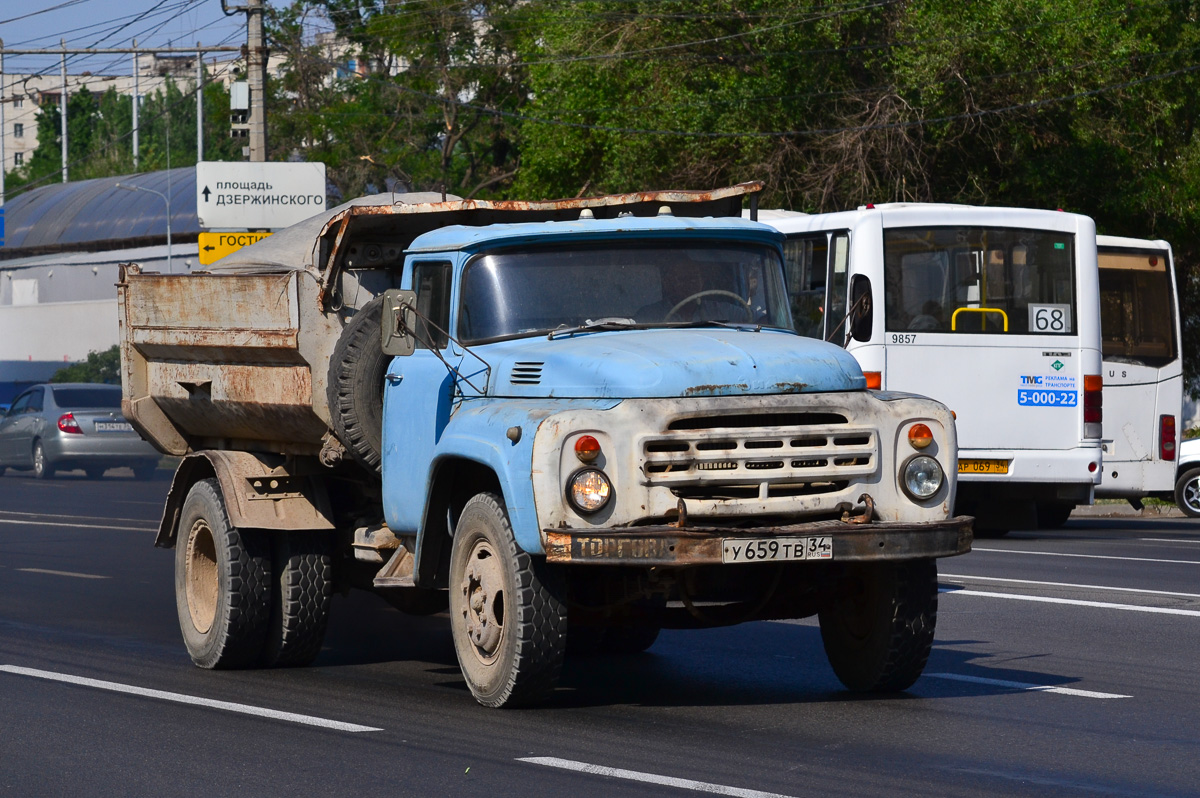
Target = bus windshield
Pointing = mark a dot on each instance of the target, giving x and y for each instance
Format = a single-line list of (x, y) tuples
[(510, 294), (1136, 307), (990, 280)]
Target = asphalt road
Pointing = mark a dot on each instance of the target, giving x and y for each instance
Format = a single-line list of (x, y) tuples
[(1065, 664)]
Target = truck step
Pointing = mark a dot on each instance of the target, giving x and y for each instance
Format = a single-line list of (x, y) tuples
[(394, 581)]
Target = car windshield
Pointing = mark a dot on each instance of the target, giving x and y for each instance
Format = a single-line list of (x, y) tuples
[(88, 397), (980, 280), (510, 294)]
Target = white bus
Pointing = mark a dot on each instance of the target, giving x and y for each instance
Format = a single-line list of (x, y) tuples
[(1143, 369), (993, 311)]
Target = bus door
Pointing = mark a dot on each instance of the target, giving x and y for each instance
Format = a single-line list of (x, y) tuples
[(1143, 381)]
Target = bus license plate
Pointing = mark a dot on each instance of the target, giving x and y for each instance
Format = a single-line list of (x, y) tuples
[(983, 466), (776, 549)]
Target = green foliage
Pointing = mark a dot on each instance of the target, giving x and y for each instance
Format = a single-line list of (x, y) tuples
[(99, 367)]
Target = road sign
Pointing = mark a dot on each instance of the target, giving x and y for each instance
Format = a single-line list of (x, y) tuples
[(214, 246), (258, 195)]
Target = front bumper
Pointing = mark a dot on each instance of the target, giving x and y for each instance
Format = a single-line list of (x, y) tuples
[(702, 545)]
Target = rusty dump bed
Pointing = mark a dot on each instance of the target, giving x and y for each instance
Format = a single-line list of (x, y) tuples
[(238, 357)]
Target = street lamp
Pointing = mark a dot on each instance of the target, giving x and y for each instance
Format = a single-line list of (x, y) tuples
[(166, 200)]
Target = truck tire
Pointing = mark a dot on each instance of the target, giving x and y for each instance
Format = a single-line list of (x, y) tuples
[(301, 595), (1187, 492), (507, 612), (355, 392), (222, 583), (878, 628)]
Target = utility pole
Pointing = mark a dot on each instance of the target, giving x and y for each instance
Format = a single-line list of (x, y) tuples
[(62, 104), (136, 103), (256, 66), (3, 162), (199, 103)]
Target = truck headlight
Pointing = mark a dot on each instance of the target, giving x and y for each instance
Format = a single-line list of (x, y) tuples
[(922, 477), (589, 490)]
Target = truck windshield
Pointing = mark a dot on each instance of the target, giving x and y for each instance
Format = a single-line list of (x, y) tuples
[(508, 294), (980, 280)]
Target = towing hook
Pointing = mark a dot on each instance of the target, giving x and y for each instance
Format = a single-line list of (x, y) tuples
[(868, 515), (681, 522)]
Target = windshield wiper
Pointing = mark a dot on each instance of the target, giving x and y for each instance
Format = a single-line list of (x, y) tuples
[(608, 323), (732, 325)]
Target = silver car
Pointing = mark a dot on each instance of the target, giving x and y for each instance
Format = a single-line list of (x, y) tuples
[(64, 426)]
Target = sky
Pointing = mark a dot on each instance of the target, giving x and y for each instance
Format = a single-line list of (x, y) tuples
[(35, 24)]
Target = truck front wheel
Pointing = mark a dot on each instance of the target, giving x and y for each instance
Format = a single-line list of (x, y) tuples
[(222, 583), (507, 612), (878, 625)]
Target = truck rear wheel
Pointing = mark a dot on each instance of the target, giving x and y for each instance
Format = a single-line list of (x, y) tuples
[(222, 583), (355, 392), (878, 627), (301, 594), (507, 612)]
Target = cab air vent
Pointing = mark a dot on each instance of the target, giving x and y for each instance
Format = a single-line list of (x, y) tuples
[(526, 373)]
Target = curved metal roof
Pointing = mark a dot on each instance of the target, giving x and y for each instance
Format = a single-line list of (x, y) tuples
[(79, 214)]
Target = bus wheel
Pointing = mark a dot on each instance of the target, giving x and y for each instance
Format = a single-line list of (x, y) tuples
[(1052, 515), (222, 583), (507, 612), (877, 625), (1187, 492)]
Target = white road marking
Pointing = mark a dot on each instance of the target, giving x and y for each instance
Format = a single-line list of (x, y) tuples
[(1104, 605), (1070, 584), (1086, 556), (1168, 540), (647, 778), (61, 573), (1038, 688), (32, 522), (181, 698), (64, 515)]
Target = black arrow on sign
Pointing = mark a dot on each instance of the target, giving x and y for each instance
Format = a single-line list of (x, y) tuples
[(205, 192), (208, 248)]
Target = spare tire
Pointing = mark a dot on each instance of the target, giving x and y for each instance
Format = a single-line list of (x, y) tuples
[(356, 373)]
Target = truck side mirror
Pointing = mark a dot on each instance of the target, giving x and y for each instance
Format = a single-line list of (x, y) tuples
[(398, 322), (861, 315)]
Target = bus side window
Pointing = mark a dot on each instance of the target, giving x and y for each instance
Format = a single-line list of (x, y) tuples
[(806, 261)]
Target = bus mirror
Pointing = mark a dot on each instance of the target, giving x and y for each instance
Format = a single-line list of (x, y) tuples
[(398, 322), (861, 315)]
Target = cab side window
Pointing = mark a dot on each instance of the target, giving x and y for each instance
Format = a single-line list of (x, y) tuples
[(431, 281)]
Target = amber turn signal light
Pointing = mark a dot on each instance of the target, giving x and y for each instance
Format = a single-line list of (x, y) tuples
[(587, 448), (874, 379), (919, 436)]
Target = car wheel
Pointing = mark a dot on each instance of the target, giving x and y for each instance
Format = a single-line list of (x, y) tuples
[(41, 466), (1187, 492)]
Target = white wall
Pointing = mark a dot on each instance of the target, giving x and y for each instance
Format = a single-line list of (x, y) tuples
[(59, 331)]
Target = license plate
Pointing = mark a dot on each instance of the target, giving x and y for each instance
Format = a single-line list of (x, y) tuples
[(776, 549), (983, 466), (113, 426)]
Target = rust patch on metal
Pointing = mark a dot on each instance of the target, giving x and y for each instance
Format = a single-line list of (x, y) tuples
[(791, 387), (715, 389)]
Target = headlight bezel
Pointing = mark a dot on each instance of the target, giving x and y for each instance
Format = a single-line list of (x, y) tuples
[(574, 502), (918, 459)]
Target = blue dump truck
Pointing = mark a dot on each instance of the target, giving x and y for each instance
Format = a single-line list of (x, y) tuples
[(571, 424)]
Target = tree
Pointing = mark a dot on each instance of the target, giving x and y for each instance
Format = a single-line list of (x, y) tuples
[(99, 367)]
